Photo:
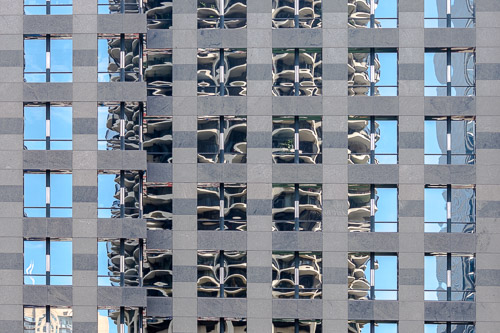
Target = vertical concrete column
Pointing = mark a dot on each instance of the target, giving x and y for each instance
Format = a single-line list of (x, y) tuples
[(184, 235)]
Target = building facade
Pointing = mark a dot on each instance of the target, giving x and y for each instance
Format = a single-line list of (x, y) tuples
[(250, 166)]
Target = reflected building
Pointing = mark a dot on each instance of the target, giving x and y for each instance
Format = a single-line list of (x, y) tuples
[(357, 280), (359, 139), (228, 14), (296, 14), (60, 321)]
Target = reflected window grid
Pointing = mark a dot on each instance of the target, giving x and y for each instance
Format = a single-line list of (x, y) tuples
[(120, 262), (119, 194), (297, 275), (158, 71), (47, 319), (120, 126), (450, 72), (222, 274), (450, 140), (372, 72), (221, 325), (121, 320), (120, 57), (372, 326), (368, 272), (367, 14), (372, 208), (222, 139), (450, 14), (48, 7), (372, 140), (48, 58), (222, 14), (48, 126), (158, 205), (450, 277), (297, 325), (449, 327), (297, 72), (296, 14), (48, 261)]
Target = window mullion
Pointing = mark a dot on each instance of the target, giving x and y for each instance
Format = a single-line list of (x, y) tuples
[(448, 72), (448, 140), (47, 126), (296, 211), (47, 7), (372, 72), (296, 275), (448, 13), (296, 139), (47, 261), (448, 208), (221, 13), (372, 138), (296, 72), (372, 13), (221, 207), (122, 55), (47, 318), (372, 208), (296, 14), (222, 66), (372, 275), (221, 138), (221, 273), (448, 276), (122, 319), (47, 58), (221, 319), (122, 262), (122, 194), (47, 193)]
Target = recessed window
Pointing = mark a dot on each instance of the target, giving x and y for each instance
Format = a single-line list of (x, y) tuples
[(222, 139), (47, 319), (449, 327), (361, 326), (48, 126), (48, 7), (119, 126), (119, 58), (157, 205), (120, 319), (222, 72), (157, 138), (222, 274), (222, 206), (158, 70), (222, 14), (48, 262), (372, 72), (297, 275), (372, 140), (373, 13), (297, 325), (297, 207), (48, 58), (119, 194), (450, 140), (48, 194), (450, 72), (221, 325), (296, 14), (373, 208), (297, 139), (297, 72), (450, 14), (372, 276), (159, 13), (450, 277), (450, 208)]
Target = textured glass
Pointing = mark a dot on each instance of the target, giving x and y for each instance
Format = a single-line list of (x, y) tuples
[(158, 72), (157, 206), (235, 139), (158, 13), (283, 211), (157, 273), (157, 139), (310, 207), (34, 262), (358, 279)]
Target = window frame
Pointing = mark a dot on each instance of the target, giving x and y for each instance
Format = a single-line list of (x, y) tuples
[(297, 324), (122, 243), (123, 142), (297, 20), (373, 325), (221, 323), (120, 325), (449, 324), (47, 316), (48, 6), (123, 74), (122, 208), (372, 20), (471, 20), (122, 9)]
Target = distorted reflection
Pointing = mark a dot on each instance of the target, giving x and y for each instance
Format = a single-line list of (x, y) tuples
[(119, 57), (222, 274), (60, 319), (360, 326), (450, 72), (158, 13), (297, 72), (296, 14), (222, 139), (114, 319), (157, 273), (297, 275), (158, 72), (119, 6), (450, 277), (222, 72), (119, 194), (221, 325), (296, 325), (297, 139), (222, 206), (157, 136), (297, 207), (157, 324), (372, 13), (119, 262), (372, 208), (372, 276), (229, 14), (446, 327), (157, 205), (119, 126), (372, 72), (461, 14)]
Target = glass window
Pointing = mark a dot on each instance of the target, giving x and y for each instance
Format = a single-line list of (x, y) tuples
[(372, 140), (119, 57), (297, 275), (222, 72), (297, 207), (450, 72), (119, 319), (450, 277), (119, 194), (48, 58), (119, 126), (446, 327), (297, 139), (297, 325), (450, 140), (119, 262), (157, 270), (222, 206), (229, 14), (48, 262), (361, 326), (222, 139), (449, 13), (222, 274), (372, 276), (48, 126), (373, 13), (157, 324), (372, 72), (47, 319), (119, 6), (221, 325), (296, 14), (373, 208), (450, 208), (157, 136), (48, 7), (48, 194), (158, 72), (157, 205), (158, 13), (297, 72)]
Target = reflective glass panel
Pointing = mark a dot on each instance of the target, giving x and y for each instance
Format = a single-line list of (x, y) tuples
[(386, 277), (386, 141), (463, 204), (310, 275), (358, 140), (386, 209), (209, 205), (157, 273), (283, 139), (157, 206), (132, 193), (157, 325), (108, 320), (34, 262), (463, 277), (108, 58), (108, 126), (386, 14), (34, 127), (157, 136), (108, 263), (132, 117), (435, 277), (61, 55), (310, 72), (310, 207), (463, 133), (358, 79), (235, 139), (61, 129), (132, 320), (283, 72), (235, 274), (359, 212), (34, 56), (235, 72), (435, 204), (158, 72), (283, 211), (108, 195), (290, 325), (283, 272), (34, 319), (359, 277), (208, 274), (158, 13), (61, 262), (435, 64), (208, 72), (462, 71), (35, 200), (61, 197), (235, 206), (435, 142), (310, 140), (208, 139)]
